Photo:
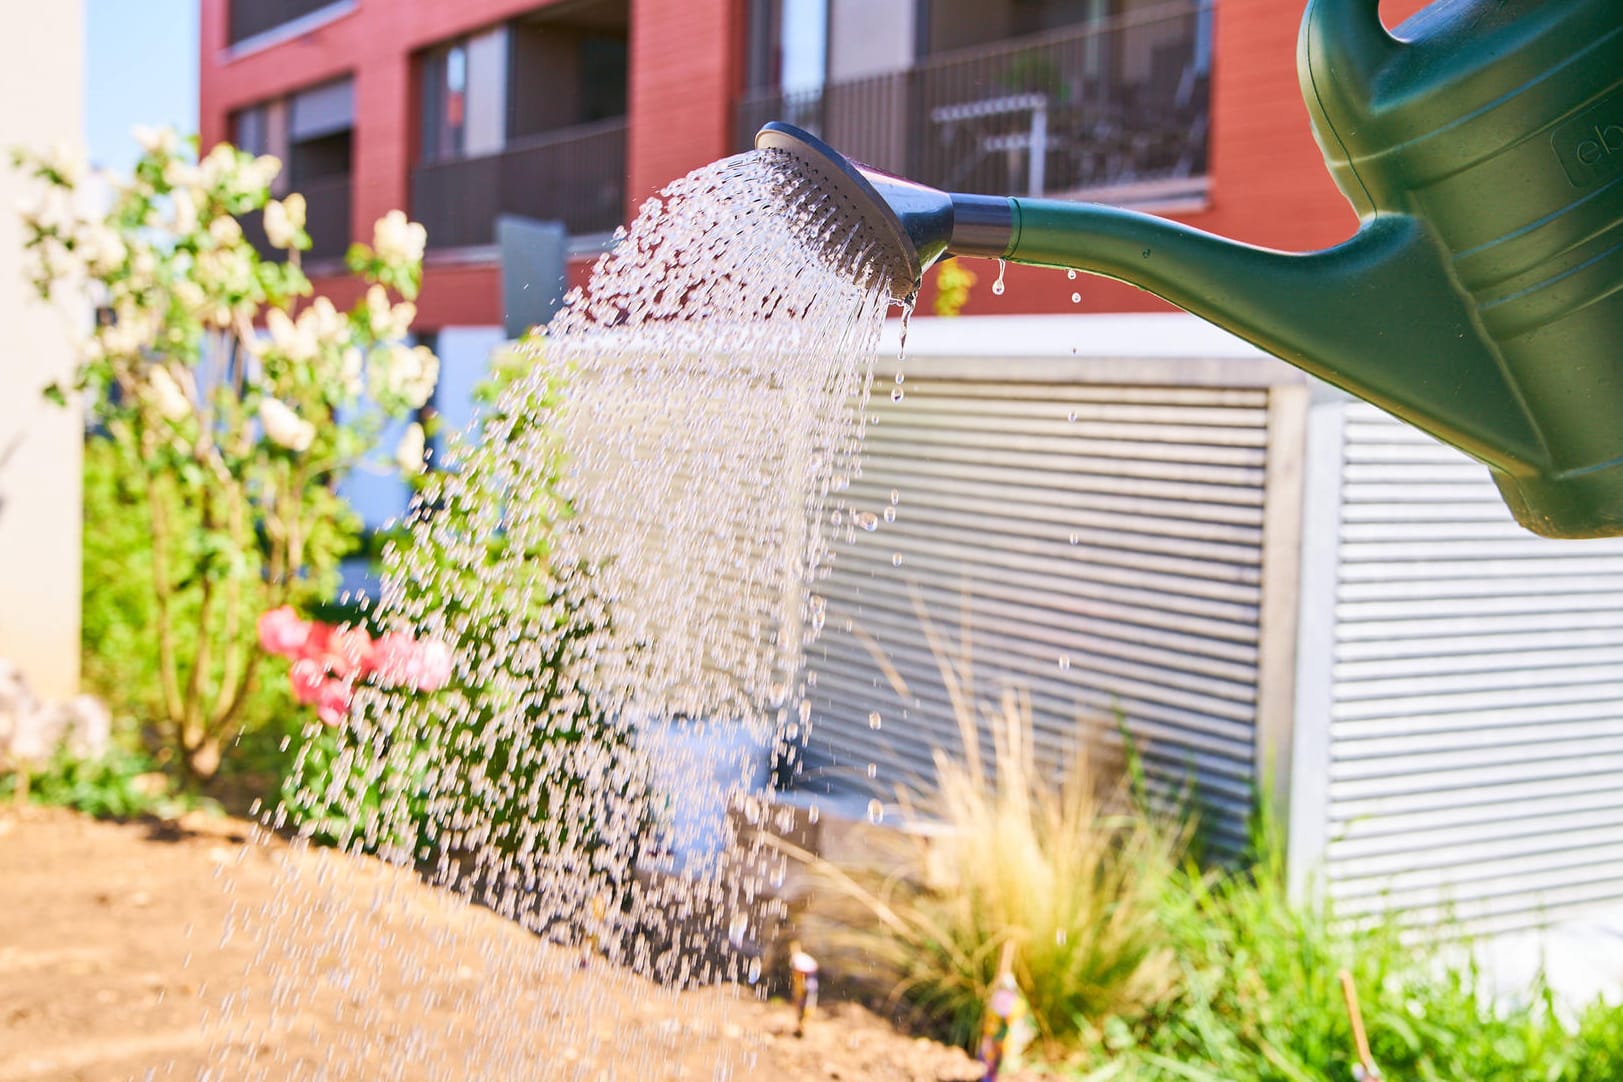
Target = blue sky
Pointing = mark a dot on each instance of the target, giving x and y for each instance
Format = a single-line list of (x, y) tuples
[(140, 68)]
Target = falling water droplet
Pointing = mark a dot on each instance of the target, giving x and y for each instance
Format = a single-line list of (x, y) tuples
[(1071, 274), (1075, 538), (874, 720), (876, 811), (1071, 416), (867, 520), (736, 929), (896, 394), (907, 318), (997, 286), (1064, 663), (1059, 937), (895, 496), (890, 514), (1076, 298), (896, 560), (755, 970), (873, 770)]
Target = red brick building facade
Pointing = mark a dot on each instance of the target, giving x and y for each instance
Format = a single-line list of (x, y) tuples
[(686, 65)]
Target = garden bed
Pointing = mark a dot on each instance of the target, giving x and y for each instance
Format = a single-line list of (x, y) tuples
[(130, 948)]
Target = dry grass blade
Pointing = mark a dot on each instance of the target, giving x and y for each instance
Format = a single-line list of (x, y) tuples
[(1067, 868)]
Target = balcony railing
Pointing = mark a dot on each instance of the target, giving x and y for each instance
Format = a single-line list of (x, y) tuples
[(326, 220), (1120, 104), (250, 18), (576, 176)]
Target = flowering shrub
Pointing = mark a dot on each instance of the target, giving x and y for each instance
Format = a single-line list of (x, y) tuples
[(328, 661), (233, 440)]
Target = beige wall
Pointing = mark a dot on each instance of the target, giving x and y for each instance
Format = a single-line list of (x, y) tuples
[(868, 39), (40, 65)]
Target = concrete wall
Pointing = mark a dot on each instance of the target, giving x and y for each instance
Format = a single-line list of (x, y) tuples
[(41, 64)]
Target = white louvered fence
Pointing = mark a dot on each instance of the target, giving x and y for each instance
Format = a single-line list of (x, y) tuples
[(1261, 580)]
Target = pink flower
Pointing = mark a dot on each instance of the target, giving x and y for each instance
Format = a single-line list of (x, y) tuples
[(348, 650), (342, 651), (395, 659), (333, 704), (308, 677), (282, 632), (434, 665)]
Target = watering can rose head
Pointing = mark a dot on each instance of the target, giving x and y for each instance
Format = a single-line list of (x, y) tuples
[(329, 660)]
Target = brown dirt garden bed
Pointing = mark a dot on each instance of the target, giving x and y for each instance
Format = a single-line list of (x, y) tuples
[(188, 949)]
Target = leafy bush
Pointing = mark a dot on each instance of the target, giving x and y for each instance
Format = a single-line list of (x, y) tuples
[(122, 784), (120, 662), (232, 442), (513, 760), (1259, 998)]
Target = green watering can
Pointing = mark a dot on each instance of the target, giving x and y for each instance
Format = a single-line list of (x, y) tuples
[(1482, 297)]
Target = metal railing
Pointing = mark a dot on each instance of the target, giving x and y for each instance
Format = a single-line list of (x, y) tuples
[(1113, 104), (327, 202), (250, 18), (574, 175)]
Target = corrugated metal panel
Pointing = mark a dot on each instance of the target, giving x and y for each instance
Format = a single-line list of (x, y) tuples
[(1476, 728), (1104, 544)]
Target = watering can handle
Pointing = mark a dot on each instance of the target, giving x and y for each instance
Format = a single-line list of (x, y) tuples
[(1345, 44)]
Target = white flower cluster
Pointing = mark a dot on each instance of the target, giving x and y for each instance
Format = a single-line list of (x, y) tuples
[(172, 272), (396, 239), (284, 219), (283, 427), (406, 374)]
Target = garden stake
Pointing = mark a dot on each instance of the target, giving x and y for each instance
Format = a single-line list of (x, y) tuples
[(803, 981), (1005, 1009), (599, 909), (1365, 1071)]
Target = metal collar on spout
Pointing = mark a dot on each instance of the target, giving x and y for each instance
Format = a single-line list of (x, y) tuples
[(911, 225)]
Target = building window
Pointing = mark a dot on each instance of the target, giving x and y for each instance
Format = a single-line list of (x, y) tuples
[(788, 44), (444, 101), (312, 134)]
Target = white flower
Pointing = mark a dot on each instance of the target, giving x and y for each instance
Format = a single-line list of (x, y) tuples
[(191, 297), (103, 249), (322, 322), (224, 231), (180, 174), (162, 140), (295, 341), (398, 240), (349, 371), (143, 266), (165, 393), (217, 165), (224, 271), (408, 453), (260, 172), (389, 322), (283, 220), (184, 202), (407, 374), (283, 427), (130, 332), (67, 161)]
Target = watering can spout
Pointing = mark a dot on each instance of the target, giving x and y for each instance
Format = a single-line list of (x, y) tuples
[(1378, 316)]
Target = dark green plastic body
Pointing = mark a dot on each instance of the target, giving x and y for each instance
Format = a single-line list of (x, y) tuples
[(1482, 297)]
